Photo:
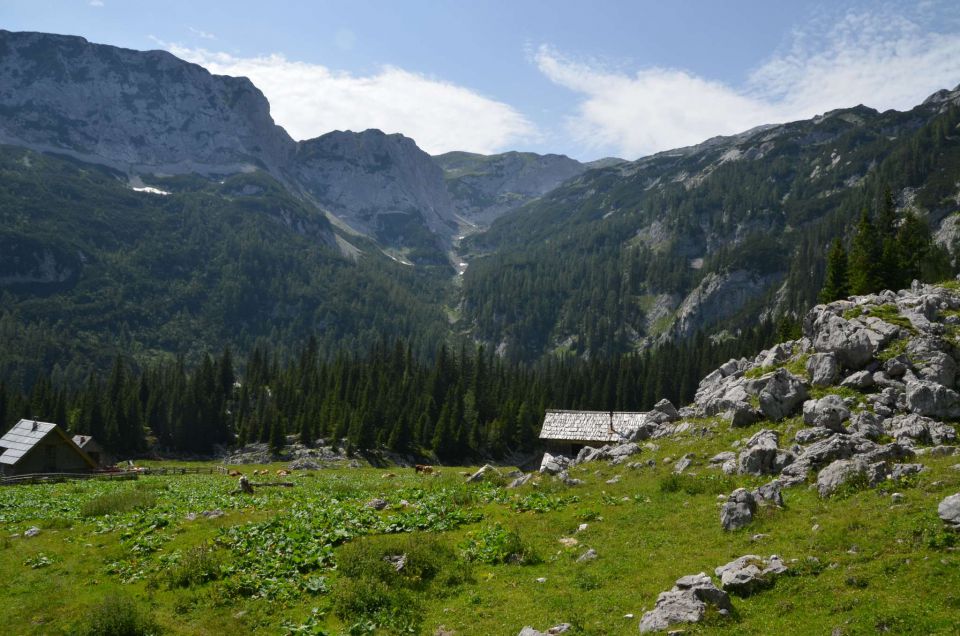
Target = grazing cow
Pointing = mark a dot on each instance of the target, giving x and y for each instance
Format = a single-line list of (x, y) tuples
[(424, 469), (282, 473), (234, 473)]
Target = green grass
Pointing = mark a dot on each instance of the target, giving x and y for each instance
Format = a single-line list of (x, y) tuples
[(310, 559)]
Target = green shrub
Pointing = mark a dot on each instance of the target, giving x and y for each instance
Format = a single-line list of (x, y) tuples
[(383, 576), (119, 502), (494, 544), (697, 484), (199, 565), (117, 615)]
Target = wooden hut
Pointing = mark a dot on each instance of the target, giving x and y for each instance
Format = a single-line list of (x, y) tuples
[(41, 447), (566, 432)]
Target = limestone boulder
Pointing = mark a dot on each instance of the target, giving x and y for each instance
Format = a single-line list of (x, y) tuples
[(829, 412), (738, 510), (686, 602), (750, 573), (782, 395)]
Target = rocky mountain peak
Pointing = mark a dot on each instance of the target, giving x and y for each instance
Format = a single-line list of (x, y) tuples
[(132, 110)]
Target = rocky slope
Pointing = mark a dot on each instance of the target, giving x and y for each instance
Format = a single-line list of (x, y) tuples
[(380, 185), (485, 187), (725, 231), (868, 397)]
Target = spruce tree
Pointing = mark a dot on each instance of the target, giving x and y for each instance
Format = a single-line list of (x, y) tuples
[(864, 273), (835, 285)]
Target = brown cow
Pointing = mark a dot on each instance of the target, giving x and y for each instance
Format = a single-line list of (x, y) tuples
[(282, 473), (234, 473), (425, 469)]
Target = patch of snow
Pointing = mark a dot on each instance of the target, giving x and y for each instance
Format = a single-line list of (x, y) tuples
[(696, 263), (150, 190)]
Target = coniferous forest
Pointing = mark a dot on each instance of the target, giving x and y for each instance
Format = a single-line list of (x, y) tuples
[(462, 404)]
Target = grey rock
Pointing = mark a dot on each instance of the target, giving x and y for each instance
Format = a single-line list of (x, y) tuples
[(667, 408), (742, 414), (624, 450), (720, 458), (810, 435), (589, 555), (770, 493), (949, 511), (842, 471), (760, 453), (520, 481), (554, 464), (829, 412), (933, 400), (738, 510), (783, 394), (932, 361), (749, 573), (858, 380), (562, 628), (916, 428), (377, 504), (823, 368), (486, 471), (32, 531), (830, 333), (682, 464), (867, 424), (899, 471), (687, 602), (897, 366)]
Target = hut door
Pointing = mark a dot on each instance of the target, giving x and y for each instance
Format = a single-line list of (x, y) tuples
[(50, 459)]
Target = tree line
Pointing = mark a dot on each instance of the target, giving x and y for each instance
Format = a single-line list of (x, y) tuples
[(463, 403)]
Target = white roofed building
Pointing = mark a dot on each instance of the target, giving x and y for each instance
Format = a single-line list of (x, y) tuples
[(32, 446), (566, 432)]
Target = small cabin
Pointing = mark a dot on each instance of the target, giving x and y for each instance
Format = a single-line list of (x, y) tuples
[(41, 447), (567, 432), (90, 446)]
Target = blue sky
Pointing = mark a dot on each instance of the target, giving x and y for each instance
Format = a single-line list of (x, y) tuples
[(587, 79)]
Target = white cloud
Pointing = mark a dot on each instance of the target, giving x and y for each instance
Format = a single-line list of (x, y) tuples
[(310, 100), (96, 3), (201, 33), (882, 61)]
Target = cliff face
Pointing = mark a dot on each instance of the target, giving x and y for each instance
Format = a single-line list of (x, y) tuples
[(485, 187), (381, 185), (132, 110)]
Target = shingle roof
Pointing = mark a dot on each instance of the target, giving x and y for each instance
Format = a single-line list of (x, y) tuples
[(26, 434), (21, 438), (589, 426)]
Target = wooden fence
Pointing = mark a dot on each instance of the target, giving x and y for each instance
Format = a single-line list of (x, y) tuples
[(34, 478)]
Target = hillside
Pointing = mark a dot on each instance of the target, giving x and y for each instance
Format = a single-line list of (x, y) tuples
[(702, 238), (91, 268)]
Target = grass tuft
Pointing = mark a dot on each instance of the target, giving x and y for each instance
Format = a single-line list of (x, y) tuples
[(117, 615), (119, 502)]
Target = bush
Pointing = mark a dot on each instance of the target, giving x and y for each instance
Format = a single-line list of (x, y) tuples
[(118, 615), (119, 502), (494, 544), (380, 578), (199, 565)]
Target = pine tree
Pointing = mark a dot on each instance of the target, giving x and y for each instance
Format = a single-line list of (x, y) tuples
[(835, 285), (864, 275)]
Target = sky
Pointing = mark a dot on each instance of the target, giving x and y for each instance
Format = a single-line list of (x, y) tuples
[(585, 79)]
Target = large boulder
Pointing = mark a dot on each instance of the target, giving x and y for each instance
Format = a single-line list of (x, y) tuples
[(933, 400), (848, 341), (949, 511), (829, 412), (687, 602), (823, 368), (770, 493), (749, 573), (783, 394), (762, 456), (738, 510), (932, 361), (665, 411), (554, 464), (913, 428), (844, 471), (486, 472)]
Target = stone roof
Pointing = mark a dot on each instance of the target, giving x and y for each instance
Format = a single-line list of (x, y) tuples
[(589, 426), (26, 434)]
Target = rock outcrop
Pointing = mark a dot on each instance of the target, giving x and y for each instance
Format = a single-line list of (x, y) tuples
[(686, 602)]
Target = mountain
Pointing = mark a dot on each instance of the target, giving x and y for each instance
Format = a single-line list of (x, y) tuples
[(380, 185), (485, 187), (136, 111), (707, 237)]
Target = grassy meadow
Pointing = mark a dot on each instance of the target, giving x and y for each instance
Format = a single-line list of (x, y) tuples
[(446, 557)]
